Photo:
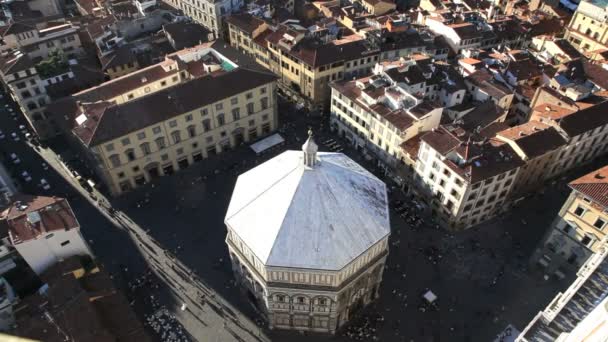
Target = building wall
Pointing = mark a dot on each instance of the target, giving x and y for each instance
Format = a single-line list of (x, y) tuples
[(243, 41), (69, 43), (593, 328), (587, 29), (309, 300), (28, 91), (51, 247), (169, 80), (207, 13), (582, 149), (460, 203), (373, 133), (536, 170), (121, 70), (576, 233), (189, 149)]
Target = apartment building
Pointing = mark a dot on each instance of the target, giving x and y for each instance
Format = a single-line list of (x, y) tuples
[(26, 87), (585, 130), (308, 60), (378, 113), (377, 7), (587, 30), (44, 231), (243, 29), (209, 13), (7, 187), (466, 177), (161, 119), (579, 313), (39, 43), (579, 229), (539, 146), (459, 35)]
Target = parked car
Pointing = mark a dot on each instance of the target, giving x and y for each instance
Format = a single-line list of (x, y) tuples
[(15, 159), (44, 184), (15, 136), (45, 166), (23, 129), (26, 176), (2, 136)]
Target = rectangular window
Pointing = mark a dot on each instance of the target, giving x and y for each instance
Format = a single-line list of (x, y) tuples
[(189, 117), (173, 123), (204, 112), (219, 106), (234, 100), (579, 211), (145, 148), (599, 223), (115, 160), (220, 120), (176, 136), (206, 125), (110, 147), (130, 154), (250, 108), (191, 131), (125, 141), (160, 143), (236, 114), (156, 130), (264, 102), (65, 243), (586, 240), (141, 135)]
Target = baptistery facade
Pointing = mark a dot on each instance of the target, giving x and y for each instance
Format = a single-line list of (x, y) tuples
[(308, 238)]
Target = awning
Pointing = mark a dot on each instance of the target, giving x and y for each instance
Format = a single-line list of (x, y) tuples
[(267, 143)]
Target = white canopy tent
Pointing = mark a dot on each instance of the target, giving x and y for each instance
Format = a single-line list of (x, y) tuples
[(267, 143)]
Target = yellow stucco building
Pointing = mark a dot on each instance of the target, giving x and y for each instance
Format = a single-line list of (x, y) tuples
[(588, 29), (579, 228), (163, 118)]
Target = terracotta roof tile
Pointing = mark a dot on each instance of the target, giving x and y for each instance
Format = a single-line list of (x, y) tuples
[(594, 185)]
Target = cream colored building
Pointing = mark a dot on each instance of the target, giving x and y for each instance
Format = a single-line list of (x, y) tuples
[(539, 146), (466, 178), (27, 89), (378, 7), (585, 130), (579, 228), (243, 29), (588, 29), (311, 261), (305, 65), (39, 42), (163, 118), (377, 116), (209, 13)]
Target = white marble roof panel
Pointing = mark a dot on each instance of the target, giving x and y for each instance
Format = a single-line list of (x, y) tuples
[(319, 218)]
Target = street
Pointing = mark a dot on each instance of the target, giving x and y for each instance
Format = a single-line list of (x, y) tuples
[(165, 248)]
